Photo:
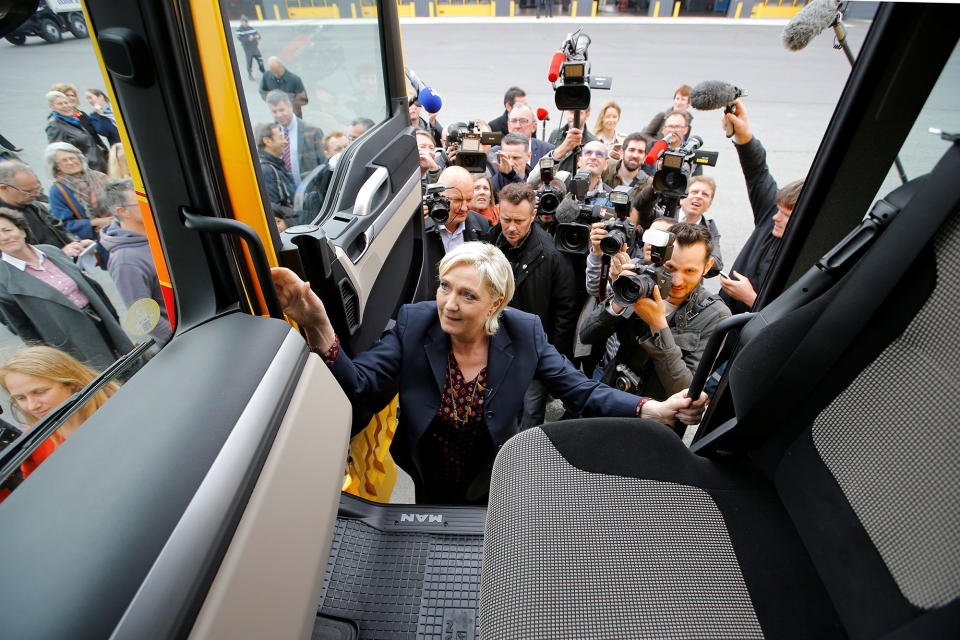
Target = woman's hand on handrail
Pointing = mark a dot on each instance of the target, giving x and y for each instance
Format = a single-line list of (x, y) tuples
[(304, 307)]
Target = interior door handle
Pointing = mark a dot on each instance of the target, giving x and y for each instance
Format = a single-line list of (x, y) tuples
[(363, 205)]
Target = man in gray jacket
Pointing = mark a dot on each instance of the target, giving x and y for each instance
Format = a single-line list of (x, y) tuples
[(131, 265), (661, 341)]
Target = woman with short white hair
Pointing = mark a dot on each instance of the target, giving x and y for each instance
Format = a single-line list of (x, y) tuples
[(76, 195), (461, 366)]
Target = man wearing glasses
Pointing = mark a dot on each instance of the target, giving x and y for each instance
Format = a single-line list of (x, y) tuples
[(19, 189), (523, 121)]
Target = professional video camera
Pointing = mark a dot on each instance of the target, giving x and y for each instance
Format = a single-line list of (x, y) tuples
[(674, 174), (621, 232), (574, 217), (548, 196), (468, 138), (570, 65), (438, 205), (631, 286)]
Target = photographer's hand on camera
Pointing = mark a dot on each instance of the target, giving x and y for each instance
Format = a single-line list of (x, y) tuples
[(652, 311), (452, 154), (597, 233), (741, 125), (427, 159)]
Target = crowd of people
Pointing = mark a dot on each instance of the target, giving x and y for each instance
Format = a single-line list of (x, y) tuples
[(53, 240), (497, 248)]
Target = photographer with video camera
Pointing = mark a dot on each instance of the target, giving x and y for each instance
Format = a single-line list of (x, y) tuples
[(771, 207), (660, 312), (544, 282), (523, 121), (449, 222), (568, 138), (468, 145)]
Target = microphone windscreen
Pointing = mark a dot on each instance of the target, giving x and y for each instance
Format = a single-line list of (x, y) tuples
[(809, 23), (555, 64), (655, 150), (567, 211), (712, 94), (543, 114), (429, 100)]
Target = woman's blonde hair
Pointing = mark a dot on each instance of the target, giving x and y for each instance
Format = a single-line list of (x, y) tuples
[(494, 269), (117, 166), (598, 127), (63, 87), (53, 364)]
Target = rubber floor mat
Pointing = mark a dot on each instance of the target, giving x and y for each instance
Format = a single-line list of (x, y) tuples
[(403, 585)]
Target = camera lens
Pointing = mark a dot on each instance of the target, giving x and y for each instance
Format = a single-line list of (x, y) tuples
[(549, 202), (630, 287), (573, 238), (611, 243)]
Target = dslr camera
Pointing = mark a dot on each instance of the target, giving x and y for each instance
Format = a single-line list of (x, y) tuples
[(437, 204), (621, 232), (468, 139), (674, 174), (548, 196), (574, 217), (631, 286)]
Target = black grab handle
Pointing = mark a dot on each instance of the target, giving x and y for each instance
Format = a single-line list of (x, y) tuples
[(225, 226), (713, 348)]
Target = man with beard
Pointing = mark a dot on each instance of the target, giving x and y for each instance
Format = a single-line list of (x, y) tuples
[(627, 170)]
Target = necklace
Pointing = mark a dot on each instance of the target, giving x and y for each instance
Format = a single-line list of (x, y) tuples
[(453, 395)]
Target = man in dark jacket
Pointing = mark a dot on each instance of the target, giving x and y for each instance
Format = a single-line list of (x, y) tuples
[(250, 41), (567, 138), (271, 146), (304, 151), (543, 279), (772, 208), (462, 225), (514, 95), (661, 340), (286, 81), (131, 264), (19, 188)]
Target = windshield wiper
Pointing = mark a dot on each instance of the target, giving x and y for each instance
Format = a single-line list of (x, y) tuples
[(23, 447)]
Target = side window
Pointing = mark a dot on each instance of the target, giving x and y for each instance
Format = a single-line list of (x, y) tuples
[(311, 86), (80, 287)]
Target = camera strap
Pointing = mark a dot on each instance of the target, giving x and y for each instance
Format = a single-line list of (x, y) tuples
[(604, 274)]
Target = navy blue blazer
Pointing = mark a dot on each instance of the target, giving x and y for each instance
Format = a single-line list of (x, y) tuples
[(411, 358)]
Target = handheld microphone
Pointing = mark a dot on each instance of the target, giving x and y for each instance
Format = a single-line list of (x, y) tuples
[(567, 211), (554, 73), (415, 83), (812, 20), (543, 114), (655, 151), (429, 100)]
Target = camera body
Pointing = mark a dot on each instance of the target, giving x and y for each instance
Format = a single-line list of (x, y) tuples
[(437, 204), (631, 286), (626, 379), (676, 169), (621, 232), (548, 196), (573, 92), (468, 139), (574, 236)]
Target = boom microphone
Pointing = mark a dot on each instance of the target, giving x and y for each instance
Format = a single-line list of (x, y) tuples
[(554, 73), (712, 94), (567, 211), (655, 151), (812, 20)]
